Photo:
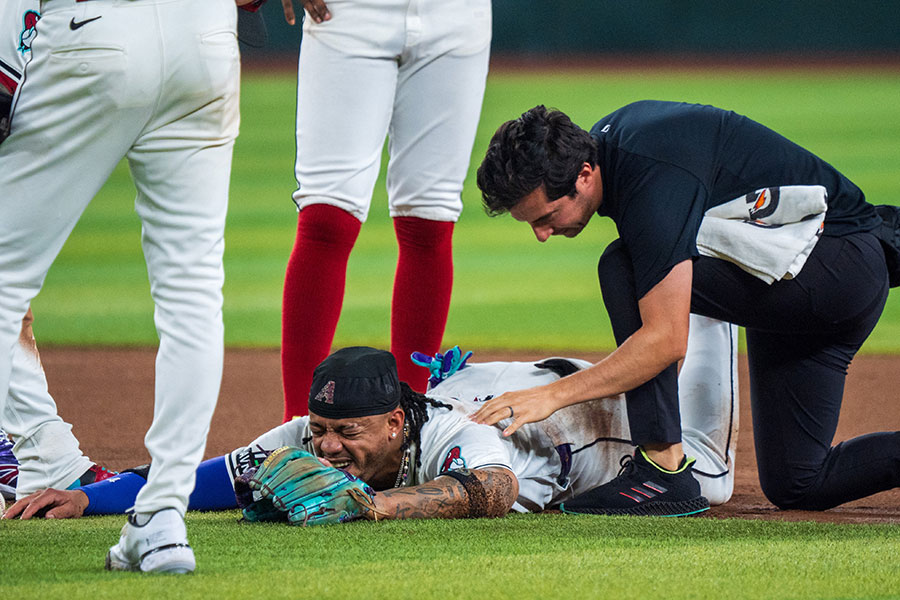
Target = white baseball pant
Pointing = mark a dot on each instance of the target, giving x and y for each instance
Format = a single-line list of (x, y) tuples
[(51, 455), (156, 82), (413, 70), (709, 404)]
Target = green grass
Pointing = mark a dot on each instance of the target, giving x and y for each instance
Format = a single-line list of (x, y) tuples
[(518, 557), (510, 291)]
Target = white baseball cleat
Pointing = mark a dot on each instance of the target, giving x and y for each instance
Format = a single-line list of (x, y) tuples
[(155, 543)]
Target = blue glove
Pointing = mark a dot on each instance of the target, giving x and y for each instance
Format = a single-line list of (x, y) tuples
[(441, 366)]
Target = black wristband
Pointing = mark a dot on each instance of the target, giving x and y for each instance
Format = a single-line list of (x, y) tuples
[(478, 504)]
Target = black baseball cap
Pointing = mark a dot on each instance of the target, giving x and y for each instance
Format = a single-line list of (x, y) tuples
[(358, 381)]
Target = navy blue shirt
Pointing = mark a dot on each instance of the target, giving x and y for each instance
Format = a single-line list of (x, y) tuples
[(664, 164)]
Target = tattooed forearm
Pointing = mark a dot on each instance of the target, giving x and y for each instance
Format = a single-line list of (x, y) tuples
[(448, 498)]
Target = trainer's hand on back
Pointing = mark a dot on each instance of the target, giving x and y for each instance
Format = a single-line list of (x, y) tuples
[(524, 406), (51, 504)]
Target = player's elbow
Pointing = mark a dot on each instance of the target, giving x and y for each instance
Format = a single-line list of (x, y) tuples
[(668, 346), (505, 504), (677, 339), (500, 489), (679, 349)]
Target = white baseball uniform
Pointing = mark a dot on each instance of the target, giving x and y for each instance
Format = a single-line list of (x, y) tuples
[(156, 82), (578, 447), (413, 70), (50, 453)]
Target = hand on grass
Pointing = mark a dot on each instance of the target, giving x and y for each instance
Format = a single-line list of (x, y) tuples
[(50, 504)]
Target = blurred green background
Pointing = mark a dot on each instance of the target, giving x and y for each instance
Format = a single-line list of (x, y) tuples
[(665, 27), (510, 292)]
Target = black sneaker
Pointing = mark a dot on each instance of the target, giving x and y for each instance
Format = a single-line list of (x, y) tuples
[(642, 488)]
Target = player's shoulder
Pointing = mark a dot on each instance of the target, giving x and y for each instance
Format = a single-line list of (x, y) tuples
[(629, 122), (450, 440), (292, 433), (448, 418), (626, 116), (444, 410)]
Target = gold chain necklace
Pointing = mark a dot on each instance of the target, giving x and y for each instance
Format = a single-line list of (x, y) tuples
[(403, 472)]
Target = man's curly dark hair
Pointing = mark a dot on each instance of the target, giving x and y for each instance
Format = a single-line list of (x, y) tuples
[(542, 147)]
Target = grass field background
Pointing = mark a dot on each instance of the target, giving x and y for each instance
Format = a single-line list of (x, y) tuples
[(519, 557), (510, 292)]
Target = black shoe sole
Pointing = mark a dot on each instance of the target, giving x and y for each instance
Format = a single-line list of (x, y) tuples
[(683, 508)]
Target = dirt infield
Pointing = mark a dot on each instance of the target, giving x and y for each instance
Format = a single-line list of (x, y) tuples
[(107, 395)]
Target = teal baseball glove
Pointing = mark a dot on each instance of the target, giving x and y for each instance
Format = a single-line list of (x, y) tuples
[(297, 483)]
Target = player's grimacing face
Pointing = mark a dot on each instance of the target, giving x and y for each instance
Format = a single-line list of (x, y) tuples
[(360, 445)]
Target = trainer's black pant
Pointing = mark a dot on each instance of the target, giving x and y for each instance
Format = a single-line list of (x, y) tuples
[(801, 336)]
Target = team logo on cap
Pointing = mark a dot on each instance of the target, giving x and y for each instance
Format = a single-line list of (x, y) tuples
[(326, 394)]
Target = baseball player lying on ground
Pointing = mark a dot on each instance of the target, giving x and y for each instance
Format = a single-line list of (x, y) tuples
[(420, 456)]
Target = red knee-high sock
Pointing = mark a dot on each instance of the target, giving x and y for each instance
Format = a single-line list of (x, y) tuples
[(313, 295), (422, 289)]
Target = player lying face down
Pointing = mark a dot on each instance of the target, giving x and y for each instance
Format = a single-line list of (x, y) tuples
[(363, 421), (423, 457), (366, 427)]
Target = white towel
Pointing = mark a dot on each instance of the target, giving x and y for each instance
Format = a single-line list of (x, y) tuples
[(768, 233)]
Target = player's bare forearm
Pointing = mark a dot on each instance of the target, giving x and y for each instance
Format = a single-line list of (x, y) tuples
[(491, 494), (640, 358), (661, 341)]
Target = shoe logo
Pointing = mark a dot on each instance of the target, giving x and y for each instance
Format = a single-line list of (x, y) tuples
[(646, 490), (73, 24)]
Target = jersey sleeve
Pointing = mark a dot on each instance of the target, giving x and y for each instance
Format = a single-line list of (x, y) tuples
[(659, 219), (292, 433), (451, 441)]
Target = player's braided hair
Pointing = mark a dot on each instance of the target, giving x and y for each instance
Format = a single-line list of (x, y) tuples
[(542, 147), (415, 406)]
